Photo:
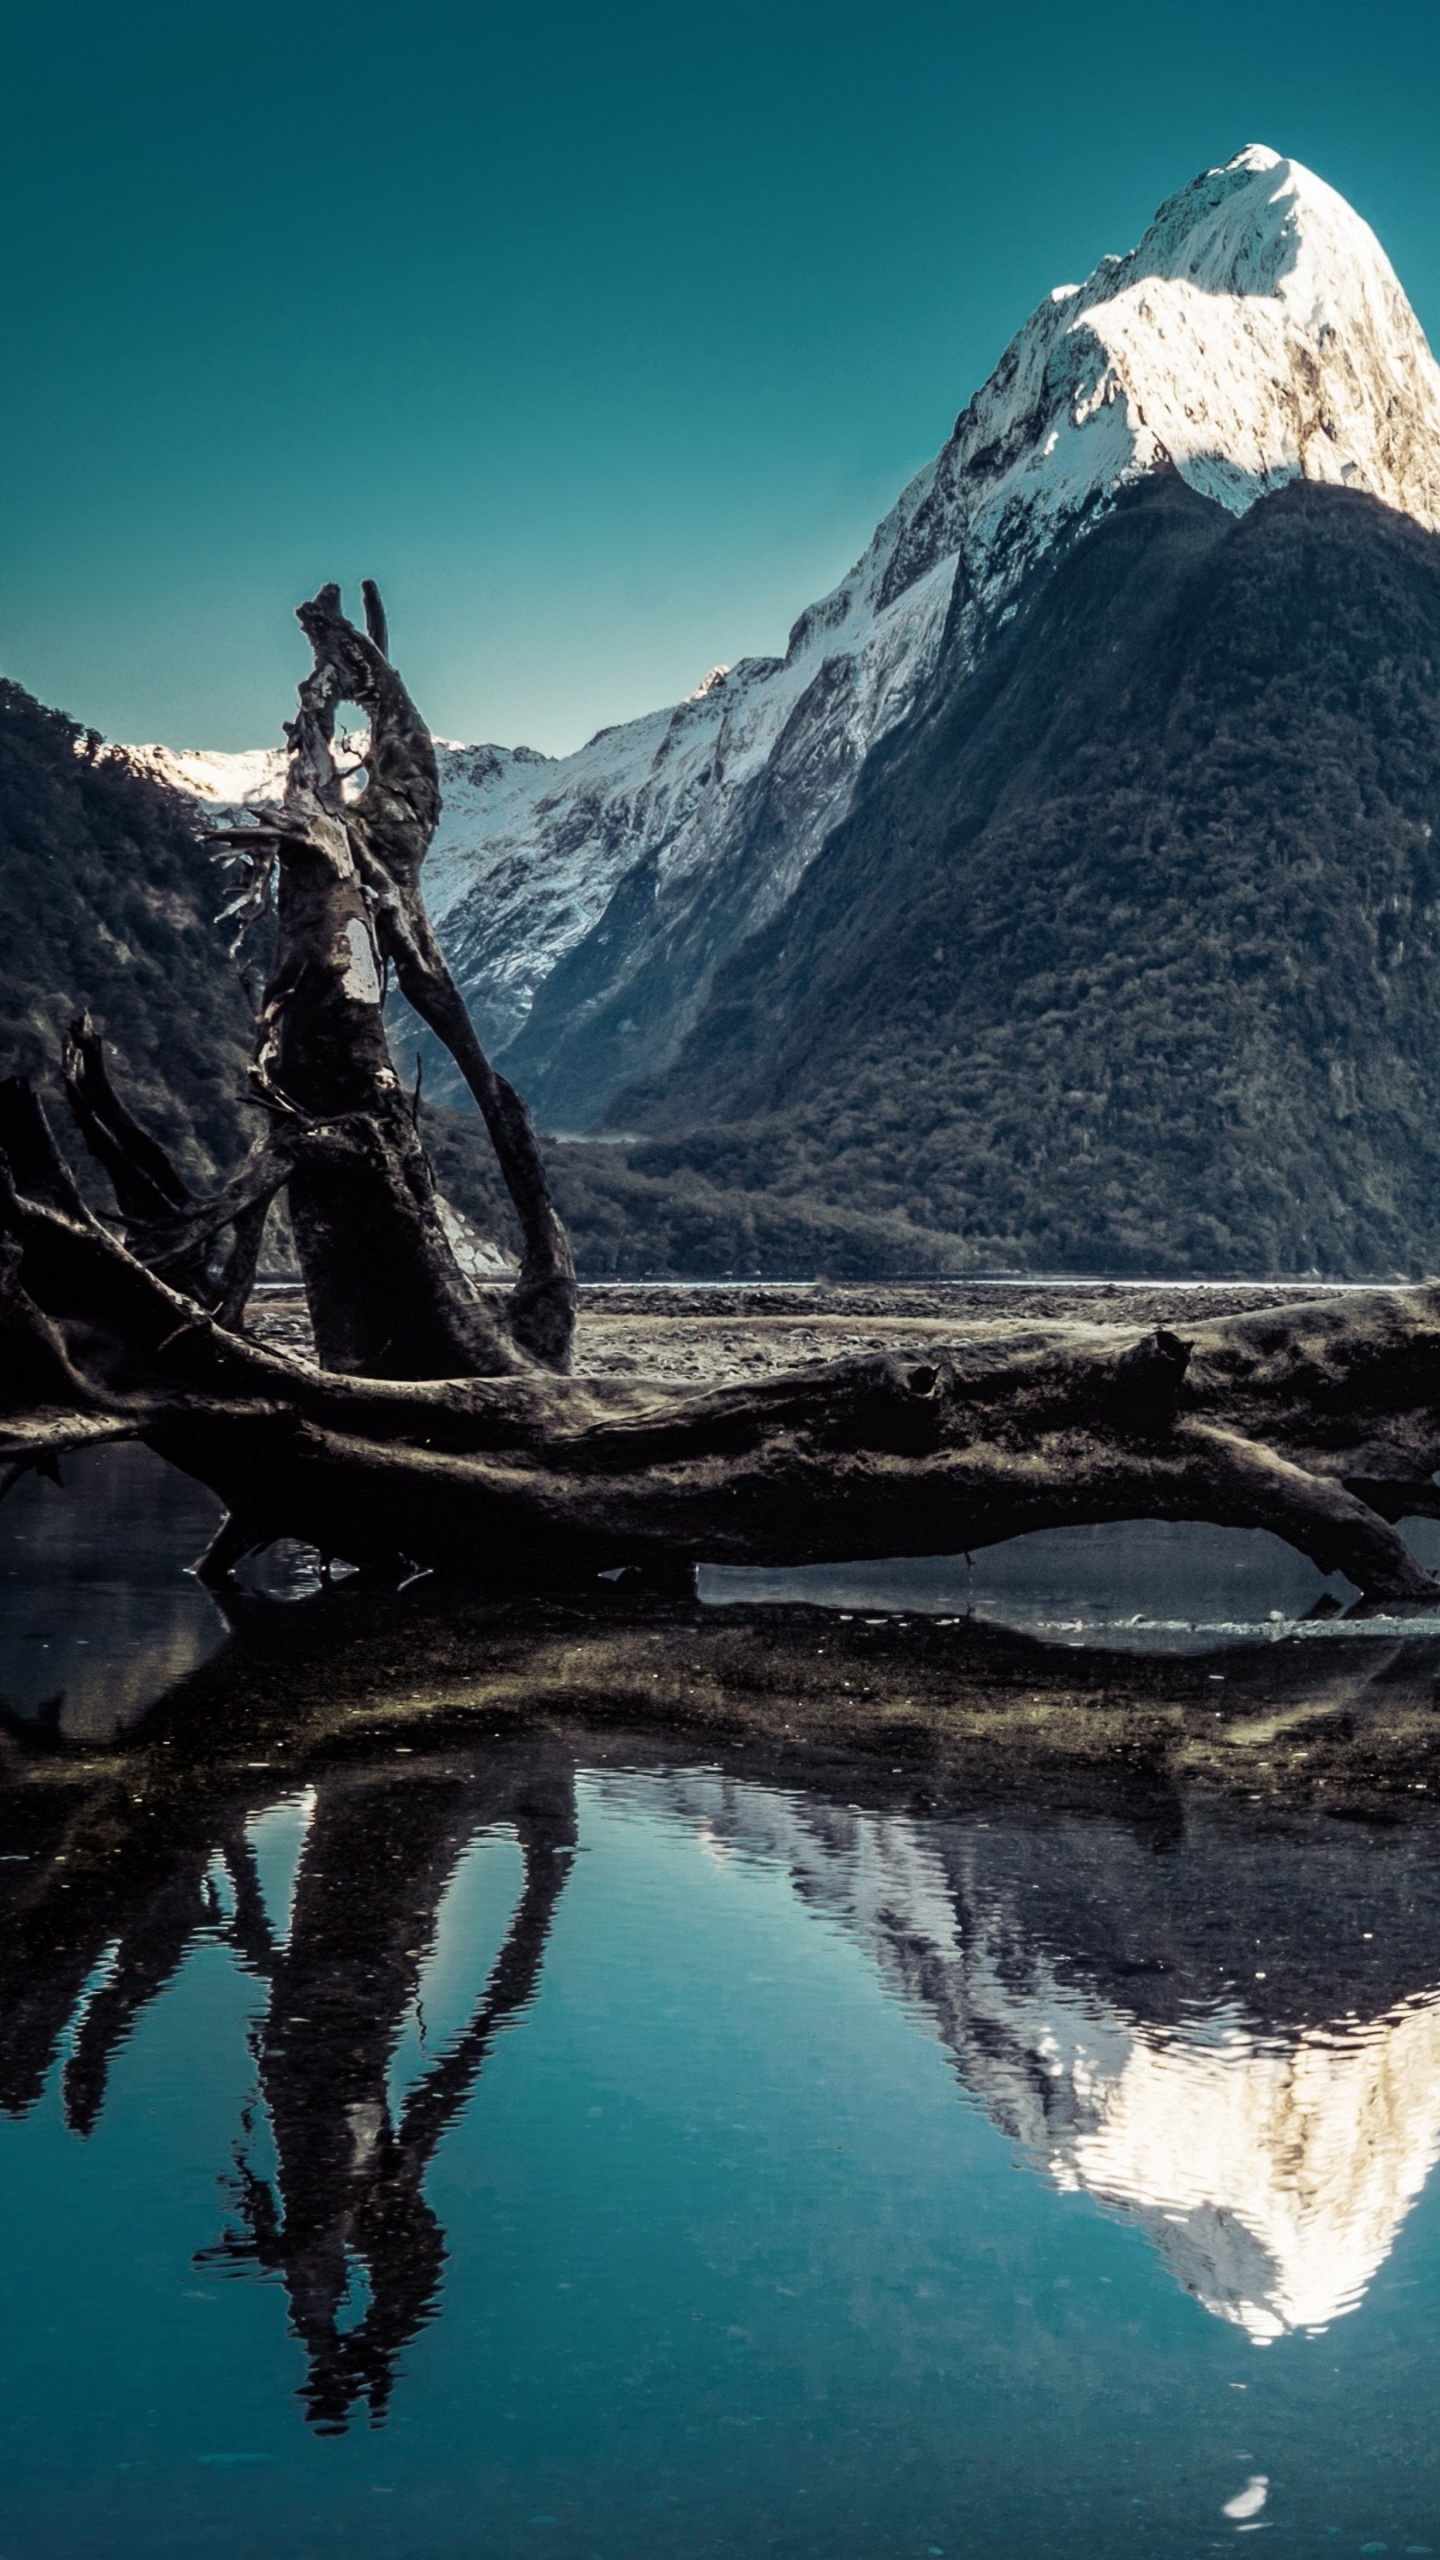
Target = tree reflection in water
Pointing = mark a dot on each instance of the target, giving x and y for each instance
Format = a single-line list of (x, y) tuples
[(376, 1865), (347, 2200)]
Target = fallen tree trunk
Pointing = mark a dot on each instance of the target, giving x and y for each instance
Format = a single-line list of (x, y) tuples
[(1320, 1422)]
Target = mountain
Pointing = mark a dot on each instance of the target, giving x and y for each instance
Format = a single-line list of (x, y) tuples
[(1128, 954), (108, 899), (1065, 890), (1256, 334)]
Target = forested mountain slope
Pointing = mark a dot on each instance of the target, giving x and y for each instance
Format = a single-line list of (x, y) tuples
[(1128, 953), (107, 902), (1256, 334)]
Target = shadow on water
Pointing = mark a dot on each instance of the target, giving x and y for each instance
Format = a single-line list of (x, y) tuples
[(97, 1614), (1176, 1926)]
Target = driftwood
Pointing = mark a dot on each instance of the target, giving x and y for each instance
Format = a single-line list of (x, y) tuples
[(349, 901), (168, 1227), (441, 1429), (1320, 1422)]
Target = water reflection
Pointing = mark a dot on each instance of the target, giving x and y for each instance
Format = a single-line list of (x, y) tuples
[(1274, 2179), (1227, 2032), (1207, 2040), (344, 2218), (100, 1922), (98, 1616), (1218, 2020), (1171, 1586), (101, 1618)]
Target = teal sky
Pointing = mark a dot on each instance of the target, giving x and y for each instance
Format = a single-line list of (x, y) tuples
[(601, 336)]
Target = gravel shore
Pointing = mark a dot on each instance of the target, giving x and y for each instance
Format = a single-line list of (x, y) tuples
[(713, 1334)]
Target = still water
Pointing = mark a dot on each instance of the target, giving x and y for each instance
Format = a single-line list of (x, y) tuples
[(540, 2141)]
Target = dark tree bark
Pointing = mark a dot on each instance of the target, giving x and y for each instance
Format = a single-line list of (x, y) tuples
[(391, 826), (349, 897), (387, 1297), (165, 1225)]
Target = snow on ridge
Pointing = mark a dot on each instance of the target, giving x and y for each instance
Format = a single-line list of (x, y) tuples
[(219, 781), (1256, 334), (707, 683)]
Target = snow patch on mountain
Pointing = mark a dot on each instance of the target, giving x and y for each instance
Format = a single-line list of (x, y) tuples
[(217, 780)]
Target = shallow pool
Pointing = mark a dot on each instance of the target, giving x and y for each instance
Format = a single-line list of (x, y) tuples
[(504, 2143)]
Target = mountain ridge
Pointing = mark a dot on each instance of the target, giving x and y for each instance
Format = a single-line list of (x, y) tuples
[(1127, 956), (1063, 897)]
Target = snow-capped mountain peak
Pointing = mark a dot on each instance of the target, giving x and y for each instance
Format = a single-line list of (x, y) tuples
[(1257, 333)]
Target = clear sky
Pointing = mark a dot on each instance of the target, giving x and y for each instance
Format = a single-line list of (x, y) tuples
[(600, 335)]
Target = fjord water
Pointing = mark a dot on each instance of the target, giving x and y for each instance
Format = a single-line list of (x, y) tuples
[(431, 2141)]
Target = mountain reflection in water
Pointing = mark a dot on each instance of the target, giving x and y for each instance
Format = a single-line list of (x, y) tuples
[(1106, 2009)]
